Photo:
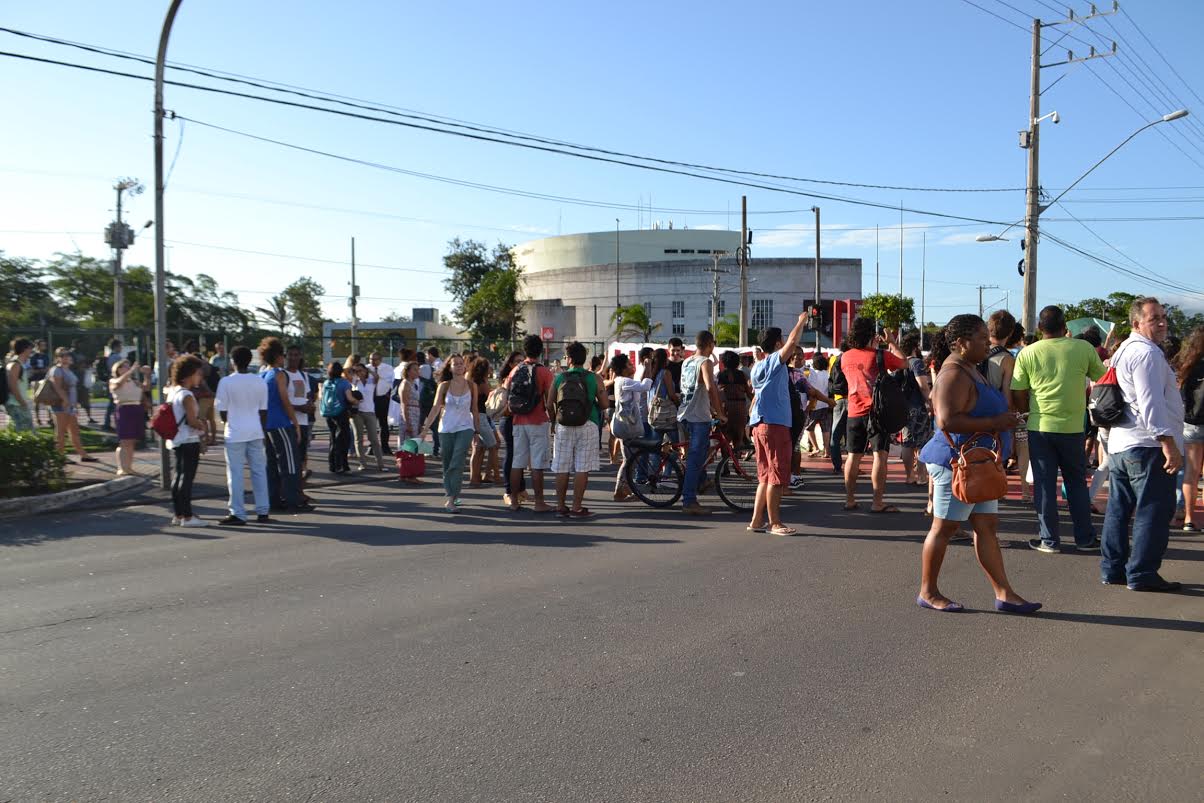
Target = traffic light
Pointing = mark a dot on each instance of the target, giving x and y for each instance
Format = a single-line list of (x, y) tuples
[(815, 319)]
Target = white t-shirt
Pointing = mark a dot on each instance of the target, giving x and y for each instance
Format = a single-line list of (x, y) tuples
[(633, 394), (298, 394), (242, 396), (186, 434), (384, 383), (819, 381)]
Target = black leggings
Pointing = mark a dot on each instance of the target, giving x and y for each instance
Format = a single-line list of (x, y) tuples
[(340, 441), (381, 408), (508, 437), (188, 457)]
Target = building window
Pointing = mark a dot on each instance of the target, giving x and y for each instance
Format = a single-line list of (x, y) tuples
[(704, 250), (762, 313), (670, 250), (679, 310), (679, 329), (722, 307), (687, 250)]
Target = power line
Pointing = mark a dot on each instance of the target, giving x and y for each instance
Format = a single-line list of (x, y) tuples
[(999, 17), (1154, 47), (484, 129)]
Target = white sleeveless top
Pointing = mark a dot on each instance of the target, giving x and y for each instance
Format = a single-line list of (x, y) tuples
[(457, 412)]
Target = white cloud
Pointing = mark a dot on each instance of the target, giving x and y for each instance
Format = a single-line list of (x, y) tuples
[(840, 235), (958, 239)]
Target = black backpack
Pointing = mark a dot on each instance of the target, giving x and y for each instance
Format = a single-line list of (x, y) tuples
[(573, 402), (889, 411), (524, 389), (1193, 399), (838, 385)]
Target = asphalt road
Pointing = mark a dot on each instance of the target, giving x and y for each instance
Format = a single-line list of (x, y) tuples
[(384, 650)]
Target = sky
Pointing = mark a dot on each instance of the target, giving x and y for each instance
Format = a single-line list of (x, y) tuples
[(924, 94)]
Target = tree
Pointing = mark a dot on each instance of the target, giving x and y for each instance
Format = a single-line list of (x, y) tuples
[(494, 311), (469, 262), (1115, 308), (25, 300), (727, 331), (396, 317), (633, 322), (893, 311), (305, 305), (276, 314)]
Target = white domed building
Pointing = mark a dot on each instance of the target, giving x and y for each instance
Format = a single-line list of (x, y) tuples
[(574, 282)]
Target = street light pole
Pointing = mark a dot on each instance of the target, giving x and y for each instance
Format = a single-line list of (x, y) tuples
[(1032, 200), (818, 326), (743, 255), (160, 271), (617, 305)]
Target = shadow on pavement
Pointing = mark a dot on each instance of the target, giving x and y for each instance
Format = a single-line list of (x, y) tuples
[(1185, 626)]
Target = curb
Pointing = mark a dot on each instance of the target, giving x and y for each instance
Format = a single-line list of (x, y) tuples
[(28, 505)]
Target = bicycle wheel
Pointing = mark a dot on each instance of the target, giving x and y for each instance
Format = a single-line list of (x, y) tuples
[(736, 480), (664, 481)]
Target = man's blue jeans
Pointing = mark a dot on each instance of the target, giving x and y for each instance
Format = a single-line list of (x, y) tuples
[(252, 455), (1048, 452), (699, 439), (1139, 488), (840, 419)]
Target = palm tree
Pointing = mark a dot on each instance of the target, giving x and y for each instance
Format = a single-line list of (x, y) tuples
[(277, 314), (633, 321)]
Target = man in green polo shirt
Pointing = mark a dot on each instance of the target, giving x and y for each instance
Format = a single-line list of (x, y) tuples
[(1050, 383)]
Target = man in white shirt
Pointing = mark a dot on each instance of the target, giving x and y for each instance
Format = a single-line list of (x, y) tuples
[(1145, 452), (241, 399), (381, 374)]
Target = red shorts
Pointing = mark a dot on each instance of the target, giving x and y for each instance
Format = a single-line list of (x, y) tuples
[(772, 442)]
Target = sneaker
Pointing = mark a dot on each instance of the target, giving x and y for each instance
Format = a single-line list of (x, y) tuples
[(1043, 546), (696, 510), (796, 482), (231, 521), (264, 518), (195, 521), (1092, 547), (175, 521), (303, 509)]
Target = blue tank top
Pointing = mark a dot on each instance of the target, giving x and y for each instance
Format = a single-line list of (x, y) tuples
[(277, 418), (990, 403)]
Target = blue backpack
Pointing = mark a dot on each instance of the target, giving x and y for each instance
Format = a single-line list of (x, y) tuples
[(333, 403)]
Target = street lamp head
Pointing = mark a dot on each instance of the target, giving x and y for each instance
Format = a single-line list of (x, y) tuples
[(989, 238), (1175, 115)]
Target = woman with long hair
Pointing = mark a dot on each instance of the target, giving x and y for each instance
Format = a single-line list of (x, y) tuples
[(408, 393), (455, 408), (965, 403), (1190, 364), (66, 384), (483, 465), (665, 397)]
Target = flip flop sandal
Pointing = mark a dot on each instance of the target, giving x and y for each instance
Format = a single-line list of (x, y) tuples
[(887, 509), (583, 513), (763, 528), (563, 512), (783, 530)]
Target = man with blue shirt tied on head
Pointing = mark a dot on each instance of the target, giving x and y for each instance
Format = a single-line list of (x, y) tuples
[(700, 404), (770, 419)]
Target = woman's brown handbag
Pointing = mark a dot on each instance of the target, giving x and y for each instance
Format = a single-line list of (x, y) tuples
[(978, 473)]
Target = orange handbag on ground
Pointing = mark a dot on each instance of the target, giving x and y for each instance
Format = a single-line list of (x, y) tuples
[(978, 473)]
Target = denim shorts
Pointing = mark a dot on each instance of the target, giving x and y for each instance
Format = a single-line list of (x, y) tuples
[(1193, 433), (945, 506)]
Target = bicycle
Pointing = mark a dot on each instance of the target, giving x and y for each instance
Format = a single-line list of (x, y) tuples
[(663, 476)]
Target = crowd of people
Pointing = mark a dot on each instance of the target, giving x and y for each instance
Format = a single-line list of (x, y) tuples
[(979, 383)]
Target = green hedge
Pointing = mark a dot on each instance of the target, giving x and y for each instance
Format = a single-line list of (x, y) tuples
[(30, 463)]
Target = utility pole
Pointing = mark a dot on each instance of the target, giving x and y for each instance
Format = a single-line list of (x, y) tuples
[(819, 323), (900, 249), (617, 305), (355, 291), (877, 275), (923, 286), (120, 237), (1031, 139), (743, 256), (160, 245), (982, 287), (715, 271)]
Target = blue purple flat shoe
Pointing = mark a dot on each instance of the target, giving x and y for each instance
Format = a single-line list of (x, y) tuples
[(1023, 609), (952, 607)]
